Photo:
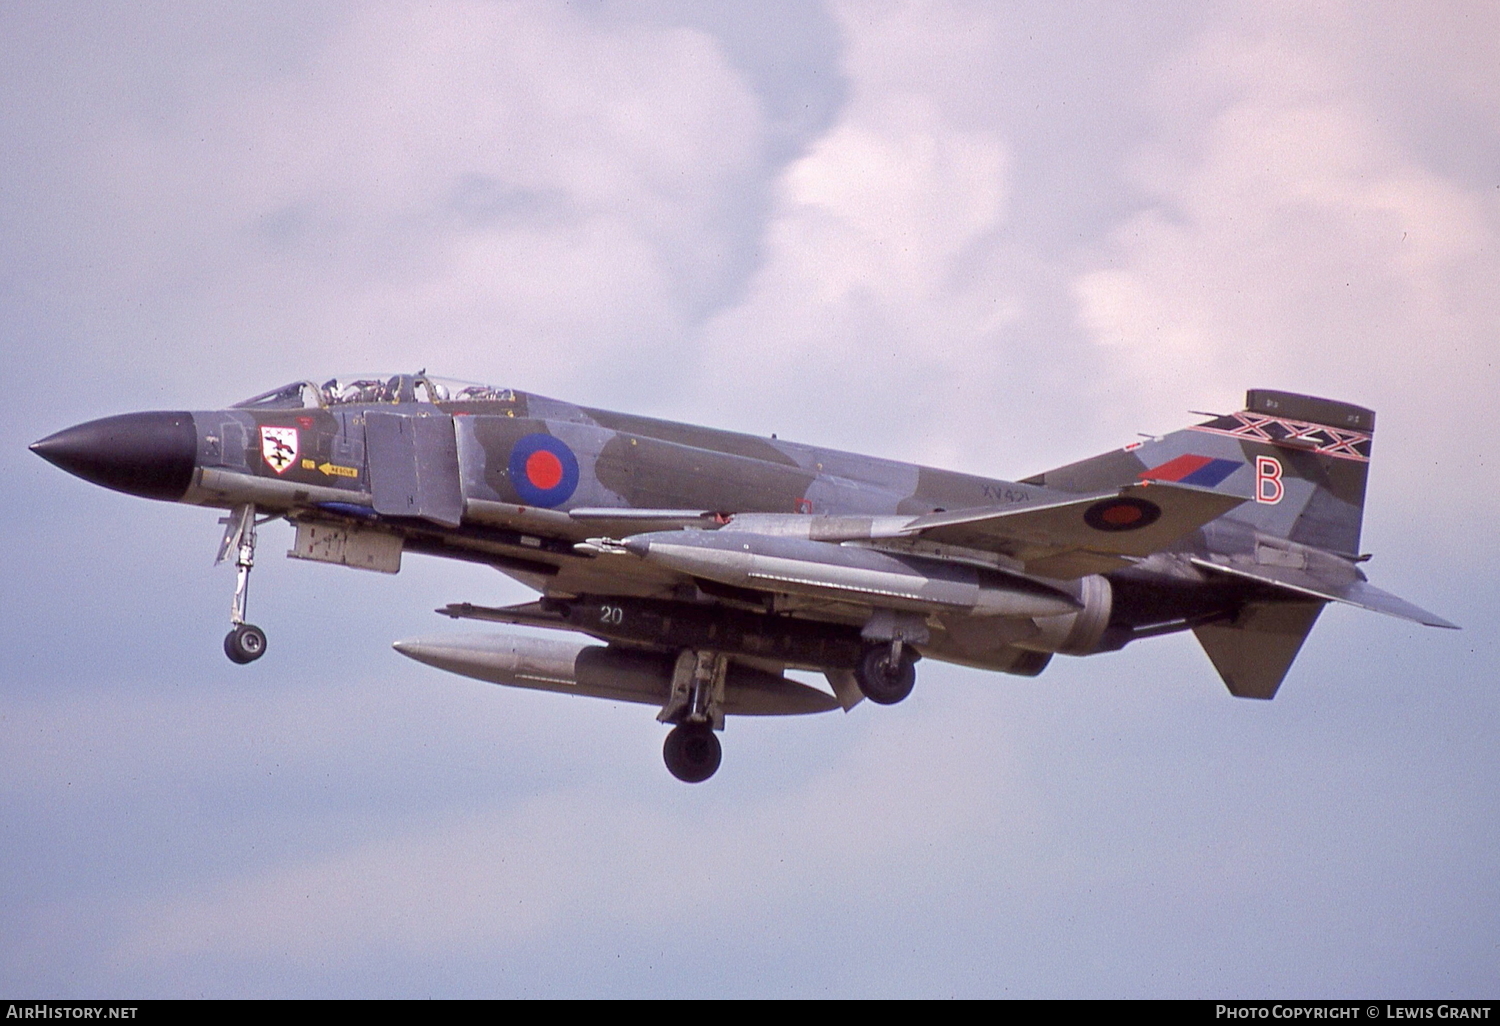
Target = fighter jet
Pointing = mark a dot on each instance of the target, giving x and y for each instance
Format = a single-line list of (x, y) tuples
[(705, 564)]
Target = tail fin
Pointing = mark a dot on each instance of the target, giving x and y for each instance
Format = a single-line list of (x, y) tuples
[(1302, 460)]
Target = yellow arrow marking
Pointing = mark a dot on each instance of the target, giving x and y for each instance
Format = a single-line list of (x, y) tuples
[(334, 470)]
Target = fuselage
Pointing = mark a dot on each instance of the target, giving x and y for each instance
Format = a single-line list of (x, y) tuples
[(710, 562), (374, 468)]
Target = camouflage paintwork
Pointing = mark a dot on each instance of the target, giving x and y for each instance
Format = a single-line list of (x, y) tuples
[(525, 479)]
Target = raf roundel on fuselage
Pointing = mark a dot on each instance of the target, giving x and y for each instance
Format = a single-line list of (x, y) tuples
[(543, 470)]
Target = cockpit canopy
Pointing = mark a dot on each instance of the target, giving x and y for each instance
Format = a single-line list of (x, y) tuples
[(375, 388)]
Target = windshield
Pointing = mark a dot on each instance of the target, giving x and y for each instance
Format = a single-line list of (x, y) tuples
[(375, 388)]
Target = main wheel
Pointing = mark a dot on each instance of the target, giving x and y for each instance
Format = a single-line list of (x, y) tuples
[(885, 682), (245, 644), (692, 752)]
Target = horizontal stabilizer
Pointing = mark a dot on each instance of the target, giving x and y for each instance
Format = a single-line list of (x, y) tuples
[(1354, 592), (1254, 651), (1085, 535)]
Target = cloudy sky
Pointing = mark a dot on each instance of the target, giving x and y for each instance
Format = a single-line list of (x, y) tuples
[(992, 238)]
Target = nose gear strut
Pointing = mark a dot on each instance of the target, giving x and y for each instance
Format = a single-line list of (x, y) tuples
[(245, 642)]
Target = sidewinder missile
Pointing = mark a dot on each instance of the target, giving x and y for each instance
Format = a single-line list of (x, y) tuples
[(849, 573)]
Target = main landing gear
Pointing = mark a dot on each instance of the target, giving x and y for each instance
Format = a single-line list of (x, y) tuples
[(245, 642), (886, 673), (696, 706), (692, 752)]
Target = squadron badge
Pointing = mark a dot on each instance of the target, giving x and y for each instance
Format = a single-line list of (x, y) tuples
[(278, 445)]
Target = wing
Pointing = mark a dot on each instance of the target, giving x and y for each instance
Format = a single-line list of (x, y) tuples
[(1092, 534)]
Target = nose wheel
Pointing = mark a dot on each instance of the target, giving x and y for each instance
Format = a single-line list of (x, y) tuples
[(245, 642)]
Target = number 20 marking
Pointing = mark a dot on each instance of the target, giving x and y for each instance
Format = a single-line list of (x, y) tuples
[(611, 615)]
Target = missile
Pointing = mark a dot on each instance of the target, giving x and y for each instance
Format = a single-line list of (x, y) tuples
[(604, 671), (848, 573)]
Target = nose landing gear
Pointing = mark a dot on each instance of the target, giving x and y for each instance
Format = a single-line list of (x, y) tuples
[(245, 642)]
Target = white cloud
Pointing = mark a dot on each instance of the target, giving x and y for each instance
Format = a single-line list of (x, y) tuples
[(873, 282), (504, 190), (1296, 241)]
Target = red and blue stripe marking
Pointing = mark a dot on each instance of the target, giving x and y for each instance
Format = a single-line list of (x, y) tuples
[(1191, 469)]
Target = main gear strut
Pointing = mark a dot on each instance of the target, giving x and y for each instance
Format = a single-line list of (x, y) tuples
[(696, 705)]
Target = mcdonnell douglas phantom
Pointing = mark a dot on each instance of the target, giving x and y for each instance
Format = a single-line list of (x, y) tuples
[(708, 563)]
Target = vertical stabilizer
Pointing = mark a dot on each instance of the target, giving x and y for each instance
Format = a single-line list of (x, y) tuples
[(1303, 462), (1254, 651), (1307, 460)]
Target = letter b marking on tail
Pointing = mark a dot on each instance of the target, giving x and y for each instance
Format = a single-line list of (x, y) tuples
[(1268, 486)]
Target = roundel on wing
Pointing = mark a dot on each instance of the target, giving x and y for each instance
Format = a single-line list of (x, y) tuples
[(1123, 514), (543, 470)]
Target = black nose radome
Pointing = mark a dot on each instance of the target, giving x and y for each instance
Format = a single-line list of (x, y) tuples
[(147, 454)]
